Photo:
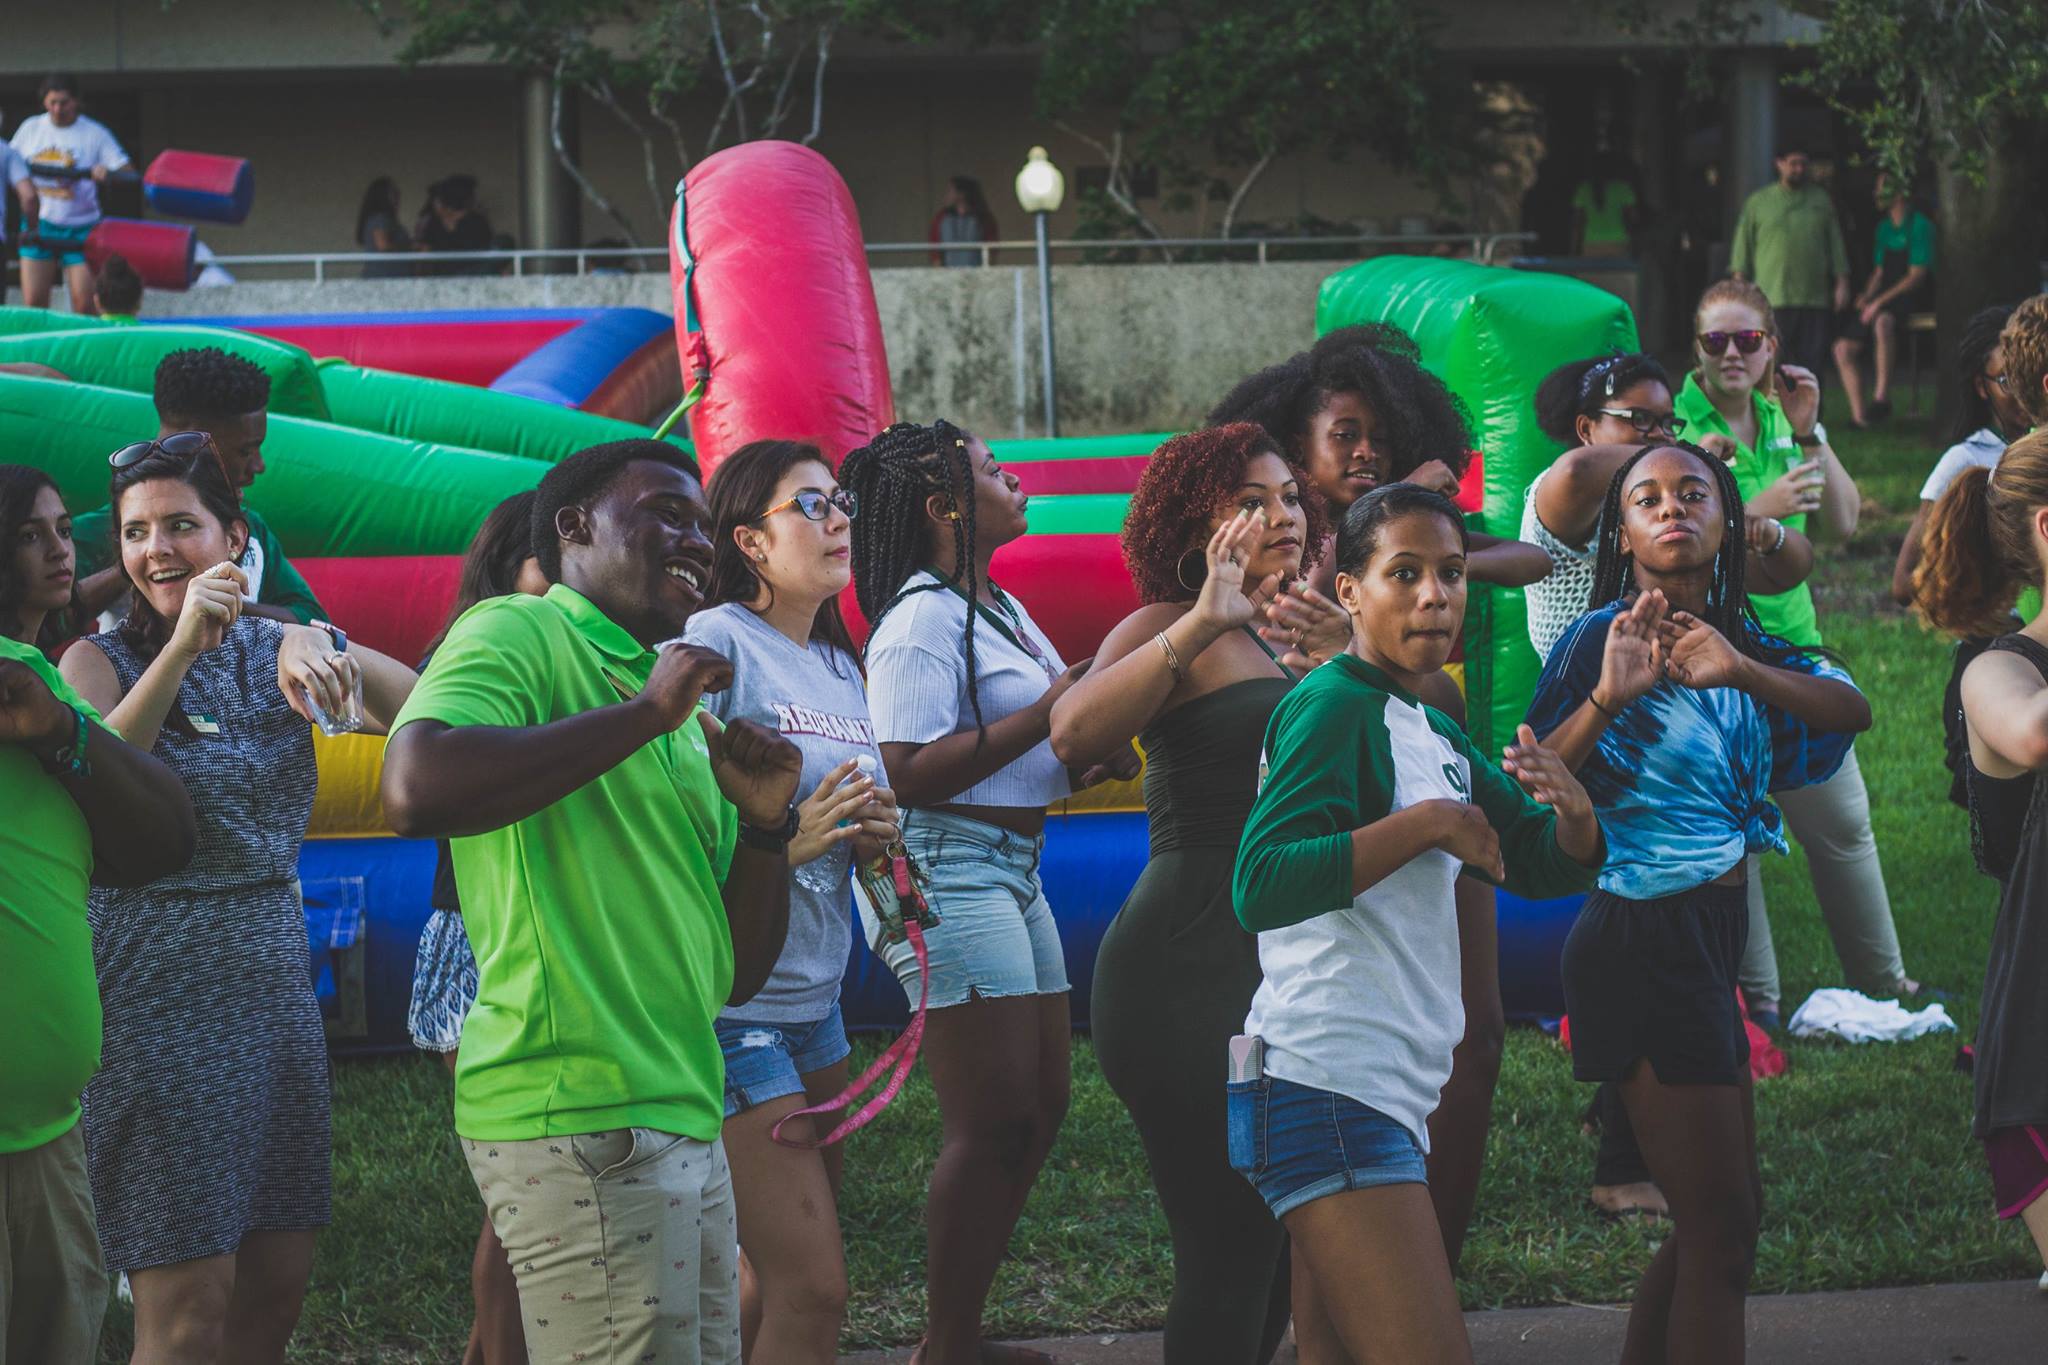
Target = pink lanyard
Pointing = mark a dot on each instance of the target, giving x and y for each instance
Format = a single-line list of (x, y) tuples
[(901, 1054)]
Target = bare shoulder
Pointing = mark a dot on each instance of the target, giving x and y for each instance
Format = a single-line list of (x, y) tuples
[(86, 667)]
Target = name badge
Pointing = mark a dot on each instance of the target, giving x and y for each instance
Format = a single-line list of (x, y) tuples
[(205, 725)]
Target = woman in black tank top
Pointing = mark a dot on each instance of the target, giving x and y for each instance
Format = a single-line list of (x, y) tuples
[(1216, 530)]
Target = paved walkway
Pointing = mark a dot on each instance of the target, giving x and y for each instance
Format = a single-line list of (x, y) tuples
[(1959, 1324)]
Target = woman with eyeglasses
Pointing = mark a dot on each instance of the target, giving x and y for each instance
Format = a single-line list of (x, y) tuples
[(781, 555), (1786, 469), (206, 1127)]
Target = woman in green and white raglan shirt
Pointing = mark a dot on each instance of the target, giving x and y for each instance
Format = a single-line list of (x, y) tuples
[(1371, 806), (1785, 469)]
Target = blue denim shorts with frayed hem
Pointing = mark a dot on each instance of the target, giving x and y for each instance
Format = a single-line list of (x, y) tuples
[(995, 935), (765, 1061), (1297, 1144)]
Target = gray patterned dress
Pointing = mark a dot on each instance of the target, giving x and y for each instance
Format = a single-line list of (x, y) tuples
[(209, 1116)]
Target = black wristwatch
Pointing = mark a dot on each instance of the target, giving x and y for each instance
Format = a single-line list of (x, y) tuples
[(775, 840)]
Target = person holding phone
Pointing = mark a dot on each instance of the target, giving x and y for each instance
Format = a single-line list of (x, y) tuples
[(1786, 469)]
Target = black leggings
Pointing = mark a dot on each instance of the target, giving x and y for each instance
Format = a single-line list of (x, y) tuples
[(1172, 983)]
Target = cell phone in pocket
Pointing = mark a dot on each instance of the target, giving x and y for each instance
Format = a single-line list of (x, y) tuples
[(1247, 1057)]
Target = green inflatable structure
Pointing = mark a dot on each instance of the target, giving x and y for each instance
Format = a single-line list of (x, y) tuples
[(127, 357), (1491, 334)]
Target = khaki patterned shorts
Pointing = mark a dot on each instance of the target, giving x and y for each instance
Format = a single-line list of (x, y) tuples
[(623, 1244)]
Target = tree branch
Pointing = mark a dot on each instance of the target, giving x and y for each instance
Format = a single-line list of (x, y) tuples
[(568, 163), (818, 83), (1117, 186)]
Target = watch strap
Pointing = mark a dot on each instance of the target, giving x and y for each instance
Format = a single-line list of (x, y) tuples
[(773, 840)]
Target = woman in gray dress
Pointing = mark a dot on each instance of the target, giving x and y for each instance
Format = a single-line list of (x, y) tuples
[(207, 1126)]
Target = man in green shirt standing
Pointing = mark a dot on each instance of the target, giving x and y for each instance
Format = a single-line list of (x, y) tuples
[(82, 806), (622, 859), (206, 389), (1789, 243)]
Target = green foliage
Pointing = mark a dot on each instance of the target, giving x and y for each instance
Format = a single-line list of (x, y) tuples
[(1949, 80)]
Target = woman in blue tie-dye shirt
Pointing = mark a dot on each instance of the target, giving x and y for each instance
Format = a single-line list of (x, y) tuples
[(1680, 716)]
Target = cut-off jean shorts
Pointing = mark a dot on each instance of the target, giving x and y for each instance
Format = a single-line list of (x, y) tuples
[(1297, 1144), (765, 1060), (995, 935)]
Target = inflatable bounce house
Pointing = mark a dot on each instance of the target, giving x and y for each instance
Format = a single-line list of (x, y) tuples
[(387, 450)]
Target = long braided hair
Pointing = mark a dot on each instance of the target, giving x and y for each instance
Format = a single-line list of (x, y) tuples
[(893, 475), (1729, 609)]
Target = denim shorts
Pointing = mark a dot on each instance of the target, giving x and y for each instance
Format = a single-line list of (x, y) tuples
[(1296, 1143), (65, 242), (995, 935), (765, 1061)]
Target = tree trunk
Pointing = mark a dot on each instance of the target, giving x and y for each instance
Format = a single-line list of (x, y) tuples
[(1988, 250)]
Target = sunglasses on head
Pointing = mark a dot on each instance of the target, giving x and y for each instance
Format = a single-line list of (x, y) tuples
[(1716, 343), (179, 445), (814, 504), (1645, 421)]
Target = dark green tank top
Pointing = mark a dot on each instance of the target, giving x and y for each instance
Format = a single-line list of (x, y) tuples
[(1202, 764)]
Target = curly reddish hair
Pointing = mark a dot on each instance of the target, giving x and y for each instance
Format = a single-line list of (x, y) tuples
[(1185, 484)]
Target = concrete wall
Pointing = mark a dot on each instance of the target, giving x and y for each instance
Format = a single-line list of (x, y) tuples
[(1139, 348)]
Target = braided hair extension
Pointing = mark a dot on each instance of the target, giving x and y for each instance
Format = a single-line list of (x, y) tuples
[(893, 476), (1729, 609)]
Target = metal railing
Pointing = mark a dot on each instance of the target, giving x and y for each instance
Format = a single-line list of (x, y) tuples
[(1482, 246)]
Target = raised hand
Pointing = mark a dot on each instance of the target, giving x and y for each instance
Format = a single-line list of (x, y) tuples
[(1720, 445), (1435, 475), (1304, 627), (1469, 837), (1544, 776), (309, 667), (681, 676), (843, 795), (1225, 603), (30, 714), (1794, 493), (756, 769), (1634, 658), (1699, 655), (1799, 395), (213, 602)]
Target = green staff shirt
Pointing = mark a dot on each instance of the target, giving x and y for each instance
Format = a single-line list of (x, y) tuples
[(1915, 238), (1606, 207), (50, 1004), (602, 948), (276, 582), (1790, 243), (1789, 614)]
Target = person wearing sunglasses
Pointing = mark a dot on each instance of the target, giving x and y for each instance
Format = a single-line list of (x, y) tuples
[(1785, 468), (205, 393), (206, 1129), (781, 553)]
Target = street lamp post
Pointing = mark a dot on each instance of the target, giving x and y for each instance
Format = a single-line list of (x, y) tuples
[(1040, 188)]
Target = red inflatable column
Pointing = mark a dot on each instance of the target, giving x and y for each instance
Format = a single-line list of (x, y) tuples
[(775, 313)]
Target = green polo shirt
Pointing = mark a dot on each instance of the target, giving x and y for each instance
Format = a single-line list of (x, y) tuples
[(1787, 614), (277, 583), (1790, 243), (602, 949), (50, 1004), (1915, 237), (1606, 205)]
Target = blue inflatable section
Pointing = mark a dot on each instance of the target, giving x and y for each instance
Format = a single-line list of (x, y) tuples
[(567, 370), (367, 902)]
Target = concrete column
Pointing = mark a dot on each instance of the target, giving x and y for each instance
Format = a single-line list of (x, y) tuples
[(549, 207), (1752, 142)]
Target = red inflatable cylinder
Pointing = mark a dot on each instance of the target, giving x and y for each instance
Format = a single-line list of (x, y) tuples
[(160, 252), (217, 189), (775, 312)]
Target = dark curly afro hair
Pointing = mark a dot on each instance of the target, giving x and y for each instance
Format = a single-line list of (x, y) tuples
[(1419, 418), (1185, 482)]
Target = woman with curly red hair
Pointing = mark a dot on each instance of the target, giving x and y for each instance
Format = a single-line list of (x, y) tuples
[(1219, 526)]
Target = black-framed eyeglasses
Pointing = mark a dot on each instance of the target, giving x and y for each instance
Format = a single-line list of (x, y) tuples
[(814, 504), (1715, 343), (1646, 420), (179, 445)]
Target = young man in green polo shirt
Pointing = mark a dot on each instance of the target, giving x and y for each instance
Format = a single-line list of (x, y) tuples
[(622, 861), (81, 805), (228, 398), (1902, 264), (1789, 243)]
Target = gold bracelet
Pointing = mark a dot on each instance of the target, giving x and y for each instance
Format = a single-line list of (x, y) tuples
[(1172, 659)]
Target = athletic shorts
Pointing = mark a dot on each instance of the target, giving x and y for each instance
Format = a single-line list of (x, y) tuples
[(61, 241)]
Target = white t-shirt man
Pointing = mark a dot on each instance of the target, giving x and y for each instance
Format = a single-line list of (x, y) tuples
[(82, 145)]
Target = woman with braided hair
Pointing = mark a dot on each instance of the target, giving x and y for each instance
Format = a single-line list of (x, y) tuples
[(961, 685), (1681, 717)]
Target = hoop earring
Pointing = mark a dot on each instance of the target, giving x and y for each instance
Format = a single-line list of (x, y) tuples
[(1180, 575)]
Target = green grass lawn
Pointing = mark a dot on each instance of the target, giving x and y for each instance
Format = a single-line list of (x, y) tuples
[(1870, 1174)]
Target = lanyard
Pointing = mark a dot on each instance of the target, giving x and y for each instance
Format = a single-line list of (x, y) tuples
[(1259, 640), (1011, 630)]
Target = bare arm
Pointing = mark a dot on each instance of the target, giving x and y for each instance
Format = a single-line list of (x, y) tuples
[(1510, 563), (756, 895), (140, 713), (1782, 569), (1914, 277), (1840, 501), (933, 774), (1700, 656), (1568, 500), (98, 591), (308, 664), (1910, 550), (2006, 705), (1129, 683)]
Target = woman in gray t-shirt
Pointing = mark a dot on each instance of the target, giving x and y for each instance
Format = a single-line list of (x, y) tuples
[(780, 557)]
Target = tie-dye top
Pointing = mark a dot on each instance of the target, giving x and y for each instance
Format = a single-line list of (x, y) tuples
[(1682, 779)]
